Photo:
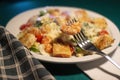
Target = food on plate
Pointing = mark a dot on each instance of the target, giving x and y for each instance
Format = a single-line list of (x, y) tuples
[(71, 28), (51, 33), (103, 41), (61, 50), (28, 39)]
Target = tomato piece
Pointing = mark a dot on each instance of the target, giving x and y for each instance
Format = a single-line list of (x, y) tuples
[(39, 37), (72, 49), (103, 32), (22, 27)]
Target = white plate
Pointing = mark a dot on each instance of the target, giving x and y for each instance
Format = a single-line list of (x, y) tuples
[(14, 24)]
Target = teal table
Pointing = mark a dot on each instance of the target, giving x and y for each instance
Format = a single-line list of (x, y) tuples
[(108, 8)]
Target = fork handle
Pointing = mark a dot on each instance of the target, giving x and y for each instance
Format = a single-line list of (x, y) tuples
[(111, 60)]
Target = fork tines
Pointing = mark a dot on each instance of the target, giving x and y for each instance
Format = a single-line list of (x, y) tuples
[(71, 21), (80, 36)]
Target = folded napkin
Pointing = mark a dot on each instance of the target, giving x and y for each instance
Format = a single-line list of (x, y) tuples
[(16, 62), (101, 69)]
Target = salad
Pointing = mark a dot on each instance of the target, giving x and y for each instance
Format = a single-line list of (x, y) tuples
[(49, 33)]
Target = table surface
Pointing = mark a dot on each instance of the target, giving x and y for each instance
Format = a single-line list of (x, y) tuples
[(108, 8)]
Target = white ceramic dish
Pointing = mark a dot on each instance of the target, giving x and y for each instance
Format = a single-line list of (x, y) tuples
[(14, 24)]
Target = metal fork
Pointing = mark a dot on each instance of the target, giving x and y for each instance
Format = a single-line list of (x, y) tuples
[(86, 44)]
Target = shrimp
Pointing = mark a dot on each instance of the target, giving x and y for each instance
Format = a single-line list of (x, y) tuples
[(48, 48), (71, 29), (46, 40)]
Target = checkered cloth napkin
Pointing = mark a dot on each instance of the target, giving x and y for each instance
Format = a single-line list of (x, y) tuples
[(16, 62)]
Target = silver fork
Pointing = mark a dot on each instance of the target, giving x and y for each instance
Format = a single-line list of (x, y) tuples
[(86, 44)]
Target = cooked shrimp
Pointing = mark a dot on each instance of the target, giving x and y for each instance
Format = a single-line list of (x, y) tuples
[(48, 48), (46, 40), (71, 29)]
